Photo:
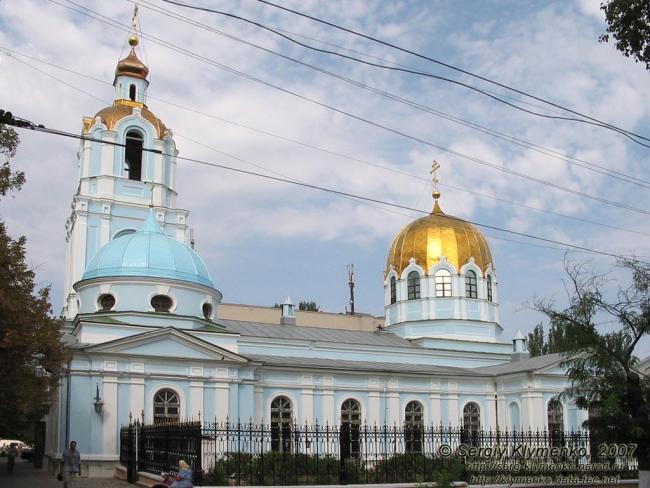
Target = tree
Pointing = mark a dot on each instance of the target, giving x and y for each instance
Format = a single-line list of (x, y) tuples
[(308, 306), (600, 359), (557, 341), (536, 344), (31, 355), (629, 23)]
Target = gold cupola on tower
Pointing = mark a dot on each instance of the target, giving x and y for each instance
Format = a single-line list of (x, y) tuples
[(436, 235), (131, 65)]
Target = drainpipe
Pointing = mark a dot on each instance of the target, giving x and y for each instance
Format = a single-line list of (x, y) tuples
[(496, 408), (67, 408)]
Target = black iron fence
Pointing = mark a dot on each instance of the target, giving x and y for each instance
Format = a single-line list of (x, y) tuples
[(257, 454)]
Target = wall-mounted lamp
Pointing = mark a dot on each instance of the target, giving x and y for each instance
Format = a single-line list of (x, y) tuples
[(99, 405)]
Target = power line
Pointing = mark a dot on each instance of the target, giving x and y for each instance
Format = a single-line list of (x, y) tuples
[(413, 104), (415, 72), (447, 65), (386, 168), (354, 116), (6, 117)]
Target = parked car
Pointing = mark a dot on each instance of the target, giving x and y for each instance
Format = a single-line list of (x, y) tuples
[(5, 443), (27, 452)]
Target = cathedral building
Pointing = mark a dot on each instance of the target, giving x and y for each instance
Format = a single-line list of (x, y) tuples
[(147, 339)]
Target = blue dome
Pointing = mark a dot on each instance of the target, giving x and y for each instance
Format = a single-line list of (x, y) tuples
[(149, 252)]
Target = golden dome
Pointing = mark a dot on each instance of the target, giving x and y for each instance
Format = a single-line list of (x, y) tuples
[(131, 65), (123, 108), (436, 235)]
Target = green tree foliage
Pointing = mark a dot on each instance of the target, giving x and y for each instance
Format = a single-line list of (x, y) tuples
[(31, 356), (536, 343), (600, 359), (557, 340), (629, 24), (308, 306)]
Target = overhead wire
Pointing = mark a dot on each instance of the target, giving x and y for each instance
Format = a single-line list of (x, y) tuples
[(378, 166), (477, 127), (446, 65), (405, 70), (25, 124), (420, 140)]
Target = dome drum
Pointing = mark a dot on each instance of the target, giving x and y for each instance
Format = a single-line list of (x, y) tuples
[(440, 268)]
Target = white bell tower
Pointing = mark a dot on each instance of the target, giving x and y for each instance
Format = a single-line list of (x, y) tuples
[(118, 183)]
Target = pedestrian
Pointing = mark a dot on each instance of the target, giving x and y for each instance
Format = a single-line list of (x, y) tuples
[(184, 476), (12, 454), (70, 464)]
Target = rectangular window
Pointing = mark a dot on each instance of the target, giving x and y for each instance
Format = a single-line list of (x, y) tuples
[(443, 286)]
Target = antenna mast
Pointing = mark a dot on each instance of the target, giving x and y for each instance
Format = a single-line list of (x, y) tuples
[(351, 285)]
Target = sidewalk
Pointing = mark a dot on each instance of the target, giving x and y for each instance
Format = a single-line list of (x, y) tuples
[(25, 476)]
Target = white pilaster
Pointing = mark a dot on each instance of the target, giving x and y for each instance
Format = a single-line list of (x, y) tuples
[(374, 409), (136, 396), (329, 415), (196, 399), (258, 410), (435, 405), (222, 398), (306, 411)]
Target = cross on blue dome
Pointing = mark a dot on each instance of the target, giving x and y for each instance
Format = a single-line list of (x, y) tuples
[(148, 252)]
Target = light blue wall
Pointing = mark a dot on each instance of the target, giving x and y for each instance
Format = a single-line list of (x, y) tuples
[(81, 410), (246, 402)]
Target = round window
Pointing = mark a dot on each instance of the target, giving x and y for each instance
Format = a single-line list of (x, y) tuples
[(106, 301), (207, 310), (161, 303)]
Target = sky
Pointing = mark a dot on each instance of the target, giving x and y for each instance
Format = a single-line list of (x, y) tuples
[(265, 240)]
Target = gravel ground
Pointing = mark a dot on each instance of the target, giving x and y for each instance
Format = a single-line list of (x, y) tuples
[(25, 476)]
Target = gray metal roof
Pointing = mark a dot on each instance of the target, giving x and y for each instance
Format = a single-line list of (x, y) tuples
[(525, 365), (356, 366), (293, 332)]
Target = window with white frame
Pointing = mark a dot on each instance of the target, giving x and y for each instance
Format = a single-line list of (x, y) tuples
[(443, 283), (413, 285), (471, 284)]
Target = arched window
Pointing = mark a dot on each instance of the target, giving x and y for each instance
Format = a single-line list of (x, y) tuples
[(393, 290), (413, 285), (555, 415), (106, 302), (132, 92), (443, 283), (124, 232), (133, 155), (515, 423), (470, 285), (281, 420), (161, 303), (489, 288), (166, 406), (471, 423), (350, 429), (413, 426)]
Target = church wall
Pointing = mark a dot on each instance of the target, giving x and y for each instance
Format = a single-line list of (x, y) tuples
[(81, 422)]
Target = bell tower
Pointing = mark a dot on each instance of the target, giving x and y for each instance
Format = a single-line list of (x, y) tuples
[(127, 167)]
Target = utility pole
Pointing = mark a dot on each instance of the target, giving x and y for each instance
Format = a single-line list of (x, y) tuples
[(351, 284)]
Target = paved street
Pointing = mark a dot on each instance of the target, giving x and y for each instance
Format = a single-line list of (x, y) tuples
[(25, 476)]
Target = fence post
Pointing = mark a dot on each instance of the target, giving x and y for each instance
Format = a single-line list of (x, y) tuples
[(344, 452), (131, 470)]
